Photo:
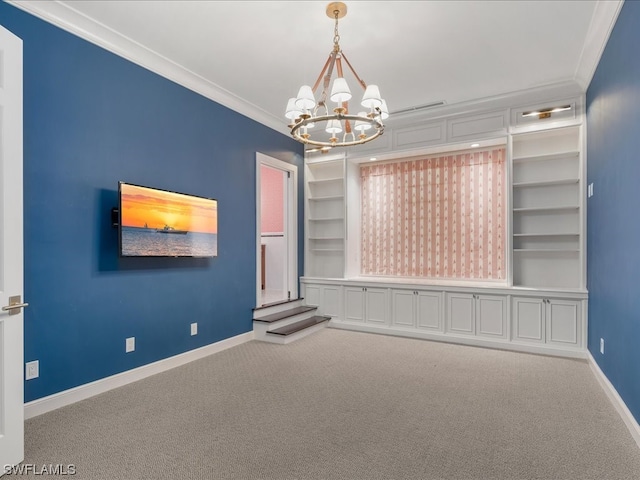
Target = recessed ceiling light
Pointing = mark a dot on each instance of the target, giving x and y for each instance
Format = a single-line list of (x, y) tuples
[(474, 145), (372, 159)]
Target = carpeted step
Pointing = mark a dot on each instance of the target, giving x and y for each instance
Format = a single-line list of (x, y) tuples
[(274, 317), (300, 325)]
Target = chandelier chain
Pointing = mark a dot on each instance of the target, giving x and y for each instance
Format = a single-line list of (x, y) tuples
[(336, 35)]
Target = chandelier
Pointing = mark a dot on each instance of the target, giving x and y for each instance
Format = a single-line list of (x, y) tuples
[(312, 122)]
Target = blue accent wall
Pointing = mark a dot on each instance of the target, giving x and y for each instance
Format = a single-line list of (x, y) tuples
[(92, 118), (613, 218)]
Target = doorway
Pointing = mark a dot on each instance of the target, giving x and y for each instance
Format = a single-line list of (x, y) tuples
[(276, 228)]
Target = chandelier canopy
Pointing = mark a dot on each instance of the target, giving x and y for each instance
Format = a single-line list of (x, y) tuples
[(312, 122)]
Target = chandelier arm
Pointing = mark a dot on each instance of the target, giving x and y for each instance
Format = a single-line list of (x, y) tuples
[(324, 69), (339, 66), (327, 77), (364, 85)]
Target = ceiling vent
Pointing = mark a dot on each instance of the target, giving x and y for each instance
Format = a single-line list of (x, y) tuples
[(418, 108)]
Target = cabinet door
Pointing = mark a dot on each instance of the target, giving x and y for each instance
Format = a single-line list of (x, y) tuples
[(528, 319), (491, 316), (332, 301), (376, 305), (461, 313), (429, 311), (403, 308), (354, 304), (312, 294), (563, 322)]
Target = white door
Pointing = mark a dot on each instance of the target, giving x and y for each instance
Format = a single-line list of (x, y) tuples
[(11, 276)]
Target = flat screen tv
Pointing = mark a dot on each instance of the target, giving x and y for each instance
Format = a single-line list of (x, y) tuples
[(160, 223)]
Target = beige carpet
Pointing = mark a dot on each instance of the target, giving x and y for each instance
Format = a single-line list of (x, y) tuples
[(346, 405)]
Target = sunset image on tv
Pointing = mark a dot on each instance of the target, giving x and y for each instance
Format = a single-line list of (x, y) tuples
[(166, 224)]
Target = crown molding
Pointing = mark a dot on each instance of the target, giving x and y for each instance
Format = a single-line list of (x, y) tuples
[(68, 19), (602, 23)]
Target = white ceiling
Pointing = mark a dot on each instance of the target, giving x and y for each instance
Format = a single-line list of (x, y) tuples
[(253, 55)]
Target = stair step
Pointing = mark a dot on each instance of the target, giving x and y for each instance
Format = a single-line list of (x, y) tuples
[(273, 304), (274, 317), (301, 325)]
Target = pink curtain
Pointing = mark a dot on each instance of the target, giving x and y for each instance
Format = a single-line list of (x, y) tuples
[(439, 217)]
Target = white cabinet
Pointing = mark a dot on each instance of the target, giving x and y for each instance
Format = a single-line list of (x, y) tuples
[(325, 218), (328, 298), (548, 320), (479, 315), (366, 305), (547, 209), (416, 309)]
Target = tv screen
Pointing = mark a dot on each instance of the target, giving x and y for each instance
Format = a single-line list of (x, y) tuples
[(160, 223)]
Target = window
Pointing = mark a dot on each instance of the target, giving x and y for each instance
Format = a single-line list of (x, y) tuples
[(438, 217)]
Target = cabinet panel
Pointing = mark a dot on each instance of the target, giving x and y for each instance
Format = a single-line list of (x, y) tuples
[(460, 313), (376, 305), (312, 295), (354, 304), (331, 301), (491, 316), (528, 319), (403, 308), (429, 312), (563, 322)]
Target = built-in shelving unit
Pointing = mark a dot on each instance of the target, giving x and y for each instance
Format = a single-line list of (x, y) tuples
[(325, 218), (547, 209)]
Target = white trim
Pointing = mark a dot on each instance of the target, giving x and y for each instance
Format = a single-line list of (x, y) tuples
[(616, 400), (461, 339), (291, 224), (604, 18), (67, 18), (73, 395)]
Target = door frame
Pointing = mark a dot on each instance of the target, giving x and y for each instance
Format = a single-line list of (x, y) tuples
[(290, 224), (12, 254)]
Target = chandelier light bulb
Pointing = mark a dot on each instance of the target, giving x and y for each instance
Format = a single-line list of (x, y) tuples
[(305, 99), (340, 91), (384, 110), (361, 125), (333, 127), (292, 112), (371, 98)]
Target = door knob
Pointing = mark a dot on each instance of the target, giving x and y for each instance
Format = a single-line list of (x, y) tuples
[(15, 304)]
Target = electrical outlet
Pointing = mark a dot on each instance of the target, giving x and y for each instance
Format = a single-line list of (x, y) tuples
[(602, 346), (194, 329), (32, 370), (130, 344)]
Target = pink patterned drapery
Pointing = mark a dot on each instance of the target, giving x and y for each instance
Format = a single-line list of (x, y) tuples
[(439, 217)]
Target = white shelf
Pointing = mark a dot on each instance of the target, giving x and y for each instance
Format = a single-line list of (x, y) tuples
[(546, 209), (555, 234), (545, 250), (328, 219), (325, 213), (547, 157), (547, 183), (326, 180), (328, 197)]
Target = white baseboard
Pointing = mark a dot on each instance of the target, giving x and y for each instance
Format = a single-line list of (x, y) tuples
[(67, 397), (462, 340), (616, 400)]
